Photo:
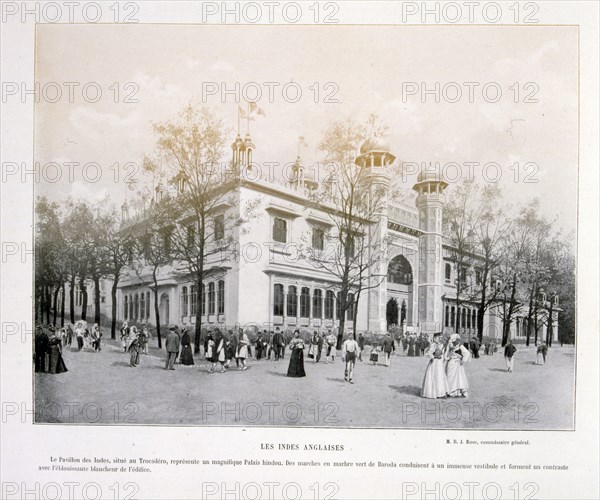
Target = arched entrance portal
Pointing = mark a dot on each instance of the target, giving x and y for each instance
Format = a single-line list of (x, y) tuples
[(164, 309), (391, 312), (400, 289)]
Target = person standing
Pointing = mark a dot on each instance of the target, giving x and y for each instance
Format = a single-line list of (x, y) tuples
[(314, 343), (96, 337), (539, 357), (388, 345), (79, 334), (41, 349), (187, 357), (144, 339), (133, 346), (296, 366), (124, 334), (435, 382), (456, 355), (172, 344), (56, 363), (278, 344), (361, 345), (350, 349), (411, 345), (242, 350), (69, 335), (509, 355), (320, 342)]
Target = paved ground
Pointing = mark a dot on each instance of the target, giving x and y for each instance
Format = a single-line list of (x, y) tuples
[(102, 388)]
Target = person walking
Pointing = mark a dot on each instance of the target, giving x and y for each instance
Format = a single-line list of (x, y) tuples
[(350, 349), (79, 334), (96, 337), (331, 340), (509, 355), (388, 345), (144, 339), (361, 345), (172, 345), (56, 363), (242, 350), (133, 346), (435, 382), (456, 355), (187, 357), (320, 342)]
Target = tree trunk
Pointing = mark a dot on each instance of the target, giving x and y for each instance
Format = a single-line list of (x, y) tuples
[(198, 326), (72, 299), (508, 316), (48, 304), (55, 301), (97, 300), (62, 305), (529, 314), (156, 309), (481, 313), (550, 326), (113, 301), (84, 298)]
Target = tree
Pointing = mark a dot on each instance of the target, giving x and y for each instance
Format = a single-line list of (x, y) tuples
[(353, 206), (189, 150)]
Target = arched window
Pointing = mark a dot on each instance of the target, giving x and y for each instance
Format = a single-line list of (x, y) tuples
[(305, 303), (131, 317), (474, 319), (399, 271), (329, 301), (142, 305), (464, 316), (136, 307), (184, 301), (278, 300), (147, 305), (350, 310), (468, 319), (317, 304), (447, 322), (221, 297), (292, 301), (194, 300), (211, 298), (452, 317), (448, 273), (203, 300), (125, 307)]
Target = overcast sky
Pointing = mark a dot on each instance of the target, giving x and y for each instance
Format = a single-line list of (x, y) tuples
[(370, 66)]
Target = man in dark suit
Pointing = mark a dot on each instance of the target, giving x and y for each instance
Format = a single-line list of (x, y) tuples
[(172, 345), (41, 348), (509, 353), (278, 344)]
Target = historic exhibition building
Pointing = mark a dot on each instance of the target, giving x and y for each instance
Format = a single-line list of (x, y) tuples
[(267, 286)]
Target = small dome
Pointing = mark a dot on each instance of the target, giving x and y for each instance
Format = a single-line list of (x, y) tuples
[(431, 173), (375, 144)]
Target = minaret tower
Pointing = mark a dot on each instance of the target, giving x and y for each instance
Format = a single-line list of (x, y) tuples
[(376, 159), (430, 203), (242, 154)]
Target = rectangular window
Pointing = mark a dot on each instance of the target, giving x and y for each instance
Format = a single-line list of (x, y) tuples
[(317, 304), (278, 300), (280, 230), (78, 295), (194, 300), (350, 310), (203, 300), (448, 273), (221, 298), (148, 305), (329, 301), (184, 301), (478, 277), (125, 307), (305, 303), (318, 238), (211, 298), (292, 301), (219, 227)]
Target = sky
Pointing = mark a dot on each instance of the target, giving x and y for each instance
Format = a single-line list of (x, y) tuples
[(362, 69)]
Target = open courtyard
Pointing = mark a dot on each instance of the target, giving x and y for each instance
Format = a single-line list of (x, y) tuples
[(101, 388)]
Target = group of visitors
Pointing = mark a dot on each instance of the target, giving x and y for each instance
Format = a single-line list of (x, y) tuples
[(445, 374), (48, 351)]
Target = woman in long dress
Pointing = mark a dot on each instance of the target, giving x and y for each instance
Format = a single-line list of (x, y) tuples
[(242, 350), (218, 352), (411, 346), (133, 346), (296, 366), (539, 357), (187, 357), (56, 362), (435, 383), (456, 355)]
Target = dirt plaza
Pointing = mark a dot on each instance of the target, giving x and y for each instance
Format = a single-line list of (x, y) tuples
[(101, 388)]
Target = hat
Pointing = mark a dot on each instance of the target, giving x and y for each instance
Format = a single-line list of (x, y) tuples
[(454, 336), (173, 327)]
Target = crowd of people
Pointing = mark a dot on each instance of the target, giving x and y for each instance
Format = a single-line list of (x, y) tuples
[(445, 374)]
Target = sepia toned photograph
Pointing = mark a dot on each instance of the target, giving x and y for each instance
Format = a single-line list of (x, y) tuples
[(335, 226)]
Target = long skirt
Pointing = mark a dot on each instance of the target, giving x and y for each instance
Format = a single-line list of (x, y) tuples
[(57, 364), (411, 350), (457, 378), (539, 358), (296, 367), (187, 357), (435, 384)]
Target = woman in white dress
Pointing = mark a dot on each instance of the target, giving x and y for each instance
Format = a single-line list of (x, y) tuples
[(539, 357), (242, 350), (435, 384), (456, 355)]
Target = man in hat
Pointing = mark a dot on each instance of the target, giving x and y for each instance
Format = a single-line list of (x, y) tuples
[(172, 345)]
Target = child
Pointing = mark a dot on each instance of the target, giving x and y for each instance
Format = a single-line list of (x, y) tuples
[(374, 356)]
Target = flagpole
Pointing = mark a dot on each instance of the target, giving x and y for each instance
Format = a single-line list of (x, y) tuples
[(248, 118)]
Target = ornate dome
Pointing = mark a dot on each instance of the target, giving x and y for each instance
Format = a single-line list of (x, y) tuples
[(430, 173), (375, 144)]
